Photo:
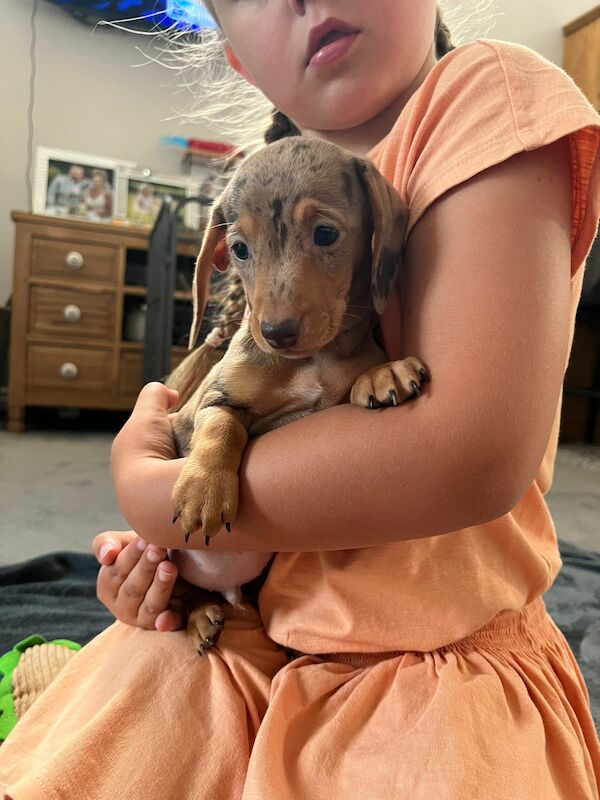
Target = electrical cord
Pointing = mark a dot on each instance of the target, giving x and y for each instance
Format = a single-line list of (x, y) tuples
[(32, 74)]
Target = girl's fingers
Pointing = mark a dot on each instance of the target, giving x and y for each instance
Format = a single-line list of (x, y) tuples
[(106, 546), (132, 590), (137, 587), (157, 598), (155, 397), (111, 578), (169, 620)]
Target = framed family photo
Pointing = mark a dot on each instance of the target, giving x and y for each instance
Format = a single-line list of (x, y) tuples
[(143, 195), (71, 184)]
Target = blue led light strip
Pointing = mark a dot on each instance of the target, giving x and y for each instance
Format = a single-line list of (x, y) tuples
[(190, 12)]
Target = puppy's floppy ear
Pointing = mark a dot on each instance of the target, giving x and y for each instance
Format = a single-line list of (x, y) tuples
[(390, 217), (213, 254)]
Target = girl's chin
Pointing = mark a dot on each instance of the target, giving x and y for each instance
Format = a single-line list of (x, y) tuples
[(338, 115)]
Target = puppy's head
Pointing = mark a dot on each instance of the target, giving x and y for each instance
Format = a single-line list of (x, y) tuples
[(316, 235)]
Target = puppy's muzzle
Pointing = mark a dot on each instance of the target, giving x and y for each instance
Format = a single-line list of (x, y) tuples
[(281, 335)]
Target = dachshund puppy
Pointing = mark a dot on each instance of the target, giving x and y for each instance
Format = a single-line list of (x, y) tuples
[(316, 235)]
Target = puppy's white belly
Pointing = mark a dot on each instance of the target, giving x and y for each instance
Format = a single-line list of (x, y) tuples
[(219, 572)]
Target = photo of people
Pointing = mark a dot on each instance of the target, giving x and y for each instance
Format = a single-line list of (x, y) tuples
[(78, 190), (144, 198)]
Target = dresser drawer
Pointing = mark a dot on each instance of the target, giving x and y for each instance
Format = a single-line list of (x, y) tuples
[(73, 370), (130, 371), (72, 313), (74, 261)]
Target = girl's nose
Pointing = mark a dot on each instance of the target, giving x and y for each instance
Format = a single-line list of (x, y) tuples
[(297, 6)]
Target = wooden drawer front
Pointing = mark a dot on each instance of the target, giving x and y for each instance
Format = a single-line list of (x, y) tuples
[(72, 369), (74, 261), (130, 371), (130, 374), (71, 313)]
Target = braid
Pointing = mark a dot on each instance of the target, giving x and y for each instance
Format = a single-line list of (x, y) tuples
[(280, 127), (443, 37), (231, 301)]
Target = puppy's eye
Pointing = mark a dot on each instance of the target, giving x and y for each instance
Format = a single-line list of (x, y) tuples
[(325, 235), (241, 251)]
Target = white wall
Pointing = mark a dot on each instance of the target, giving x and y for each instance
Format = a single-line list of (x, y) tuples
[(89, 97), (538, 23)]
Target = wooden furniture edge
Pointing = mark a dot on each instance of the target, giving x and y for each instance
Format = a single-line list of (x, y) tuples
[(582, 21)]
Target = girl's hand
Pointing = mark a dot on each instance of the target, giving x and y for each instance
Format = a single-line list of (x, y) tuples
[(135, 581), (144, 446), (148, 432)]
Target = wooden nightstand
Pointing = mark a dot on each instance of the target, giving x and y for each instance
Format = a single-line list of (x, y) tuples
[(74, 284), (581, 59)]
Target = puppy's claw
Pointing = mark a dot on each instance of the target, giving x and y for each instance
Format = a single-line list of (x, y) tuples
[(371, 401), (205, 625), (187, 536), (415, 388), (206, 541), (228, 527), (176, 517), (393, 397), (424, 375)]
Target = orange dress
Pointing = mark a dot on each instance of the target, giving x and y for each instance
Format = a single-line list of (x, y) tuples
[(464, 689)]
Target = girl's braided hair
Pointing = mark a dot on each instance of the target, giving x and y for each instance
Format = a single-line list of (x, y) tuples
[(229, 293)]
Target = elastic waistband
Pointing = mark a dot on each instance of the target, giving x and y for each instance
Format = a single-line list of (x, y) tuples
[(528, 629)]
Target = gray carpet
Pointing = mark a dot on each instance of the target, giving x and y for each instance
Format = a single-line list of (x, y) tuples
[(56, 492)]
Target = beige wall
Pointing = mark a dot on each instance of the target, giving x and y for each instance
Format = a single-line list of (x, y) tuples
[(90, 98), (538, 23)]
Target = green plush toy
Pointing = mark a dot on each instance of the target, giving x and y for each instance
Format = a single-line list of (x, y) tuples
[(25, 671)]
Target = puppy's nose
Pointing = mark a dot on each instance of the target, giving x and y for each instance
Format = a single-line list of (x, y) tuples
[(281, 334)]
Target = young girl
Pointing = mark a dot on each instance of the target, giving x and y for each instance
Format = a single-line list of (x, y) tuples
[(414, 543)]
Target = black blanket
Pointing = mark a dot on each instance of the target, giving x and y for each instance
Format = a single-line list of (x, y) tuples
[(55, 596)]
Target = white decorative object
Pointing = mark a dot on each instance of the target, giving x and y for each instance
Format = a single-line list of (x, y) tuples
[(69, 371), (71, 313), (74, 260)]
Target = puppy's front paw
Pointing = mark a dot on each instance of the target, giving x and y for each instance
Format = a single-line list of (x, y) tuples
[(389, 384), (205, 501), (204, 625)]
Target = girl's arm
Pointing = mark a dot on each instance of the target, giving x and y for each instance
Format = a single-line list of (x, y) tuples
[(486, 297)]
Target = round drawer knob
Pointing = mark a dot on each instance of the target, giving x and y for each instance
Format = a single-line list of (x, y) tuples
[(74, 260), (71, 313), (69, 371)]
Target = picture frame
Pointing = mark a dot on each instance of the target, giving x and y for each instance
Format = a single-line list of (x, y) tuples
[(78, 185), (141, 193)]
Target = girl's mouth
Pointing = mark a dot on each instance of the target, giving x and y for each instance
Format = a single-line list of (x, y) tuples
[(328, 42)]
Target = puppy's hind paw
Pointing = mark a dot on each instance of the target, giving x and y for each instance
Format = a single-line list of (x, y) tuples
[(205, 624)]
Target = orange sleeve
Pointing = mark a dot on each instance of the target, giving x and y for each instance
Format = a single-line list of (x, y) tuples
[(480, 105)]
